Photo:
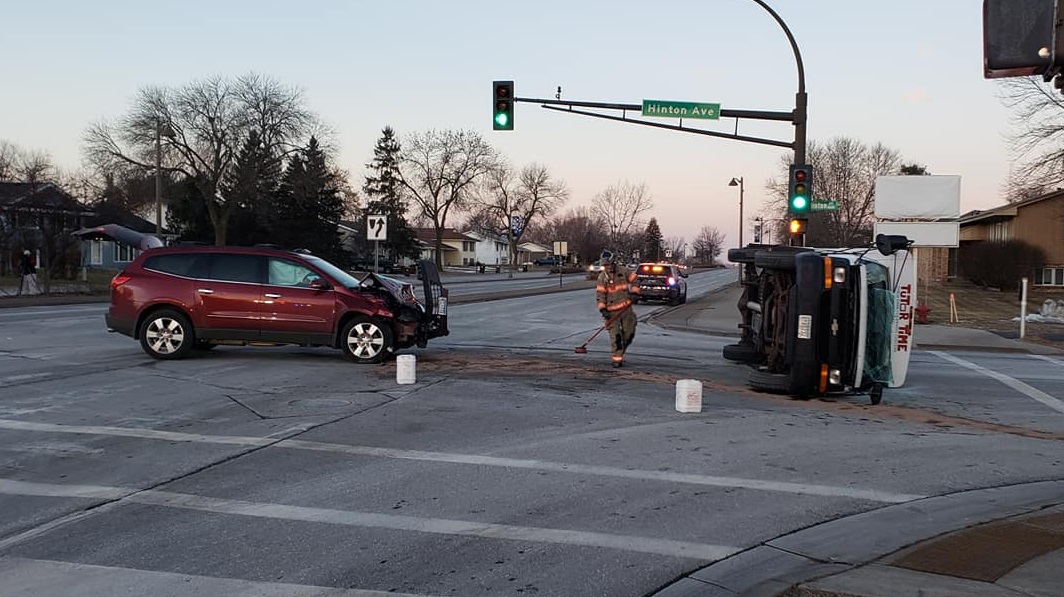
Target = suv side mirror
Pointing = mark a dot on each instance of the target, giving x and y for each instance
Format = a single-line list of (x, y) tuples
[(888, 244), (319, 284)]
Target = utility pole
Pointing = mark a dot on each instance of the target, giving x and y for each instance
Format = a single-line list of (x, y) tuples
[(158, 179)]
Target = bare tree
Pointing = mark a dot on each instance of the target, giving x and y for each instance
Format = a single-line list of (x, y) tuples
[(441, 170), (620, 206), (845, 171), (581, 228), (532, 194), (202, 127), (674, 244), (18, 164), (708, 244), (1037, 141), (10, 157)]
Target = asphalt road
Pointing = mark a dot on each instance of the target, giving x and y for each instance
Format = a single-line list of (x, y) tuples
[(512, 467)]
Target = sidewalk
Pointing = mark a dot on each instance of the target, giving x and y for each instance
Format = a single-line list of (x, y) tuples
[(1001, 542), (998, 542)]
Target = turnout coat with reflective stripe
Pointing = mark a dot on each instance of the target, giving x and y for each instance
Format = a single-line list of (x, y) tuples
[(614, 290)]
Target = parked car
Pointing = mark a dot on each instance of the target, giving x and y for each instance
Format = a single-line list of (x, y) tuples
[(660, 282), (365, 264), (177, 299), (817, 321), (594, 269), (552, 260)]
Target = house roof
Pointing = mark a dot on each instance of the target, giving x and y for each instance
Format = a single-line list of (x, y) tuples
[(481, 236), (109, 213), (532, 247), (429, 235), (1004, 212), (39, 196)]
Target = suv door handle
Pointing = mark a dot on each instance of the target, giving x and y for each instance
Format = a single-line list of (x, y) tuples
[(272, 295), (205, 291)]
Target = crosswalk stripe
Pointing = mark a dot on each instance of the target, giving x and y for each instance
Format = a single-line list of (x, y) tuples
[(477, 460), (1028, 390), (24, 577), (441, 526)]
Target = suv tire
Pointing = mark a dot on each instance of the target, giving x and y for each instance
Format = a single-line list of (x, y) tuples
[(166, 335), (366, 340), (742, 255), (742, 353), (769, 382)]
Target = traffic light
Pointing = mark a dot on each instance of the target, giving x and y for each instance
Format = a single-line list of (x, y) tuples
[(503, 105), (799, 189), (797, 226)]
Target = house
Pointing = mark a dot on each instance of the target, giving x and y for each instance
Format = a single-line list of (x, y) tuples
[(39, 216), (1038, 221), (529, 252), (491, 249), (458, 249), (99, 251)]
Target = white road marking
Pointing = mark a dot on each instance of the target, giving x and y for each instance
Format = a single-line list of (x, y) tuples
[(477, 460), (441, 526), (1049, 359), (22, 577), (1030, 391), (173, 436), (22, 377), (13, 487), (609, 471)]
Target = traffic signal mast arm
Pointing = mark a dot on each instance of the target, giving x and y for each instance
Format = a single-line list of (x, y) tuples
[(556, 105)]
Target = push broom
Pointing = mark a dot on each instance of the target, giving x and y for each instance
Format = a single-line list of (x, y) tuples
[(582, 349)]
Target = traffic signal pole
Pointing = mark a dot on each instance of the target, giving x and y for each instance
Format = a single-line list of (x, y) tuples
[(801, 100)]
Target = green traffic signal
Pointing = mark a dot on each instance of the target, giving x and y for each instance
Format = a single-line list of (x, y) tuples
[(799, 189), (503, 112)]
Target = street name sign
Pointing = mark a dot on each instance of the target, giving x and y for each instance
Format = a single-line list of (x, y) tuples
[(818, 205), (671, 109)]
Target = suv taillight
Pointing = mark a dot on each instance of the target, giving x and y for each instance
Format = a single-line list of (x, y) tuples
[(119, 280)]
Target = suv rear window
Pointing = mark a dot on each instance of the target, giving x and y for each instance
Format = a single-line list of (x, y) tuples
[(176, 264), (228, 267)]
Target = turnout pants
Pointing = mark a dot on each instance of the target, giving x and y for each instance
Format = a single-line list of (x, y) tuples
[(622, 332)]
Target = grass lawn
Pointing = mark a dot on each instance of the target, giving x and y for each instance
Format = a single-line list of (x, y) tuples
[(992, 309), (97, 281)]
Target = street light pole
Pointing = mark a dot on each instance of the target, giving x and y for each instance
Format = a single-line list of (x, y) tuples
[(738, 182), (158, 179)]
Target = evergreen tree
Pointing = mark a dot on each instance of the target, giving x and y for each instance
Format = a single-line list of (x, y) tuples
[(249, 190), (384, 191), (187, 212), (308, 206), (652, 241)]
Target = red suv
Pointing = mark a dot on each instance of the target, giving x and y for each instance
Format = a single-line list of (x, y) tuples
[(178, 299)]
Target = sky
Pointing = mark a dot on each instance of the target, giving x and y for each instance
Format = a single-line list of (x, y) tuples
[(906, 73)]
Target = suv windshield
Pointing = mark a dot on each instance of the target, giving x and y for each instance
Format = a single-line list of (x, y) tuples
[(344, 278), (881, 308)]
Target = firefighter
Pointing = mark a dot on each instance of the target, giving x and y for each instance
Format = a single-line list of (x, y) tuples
[(616, 284)]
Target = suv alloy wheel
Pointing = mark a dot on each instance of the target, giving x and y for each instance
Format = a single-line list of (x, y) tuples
[(366, 340), (166, 334)]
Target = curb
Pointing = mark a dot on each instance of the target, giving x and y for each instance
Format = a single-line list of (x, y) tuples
[(778, 567)]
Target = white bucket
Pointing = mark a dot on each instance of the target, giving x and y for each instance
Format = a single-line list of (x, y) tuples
[(688, 396), (406, 369)]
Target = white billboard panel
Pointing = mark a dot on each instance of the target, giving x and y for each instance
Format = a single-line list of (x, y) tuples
[(924, 234), (923, 197)]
